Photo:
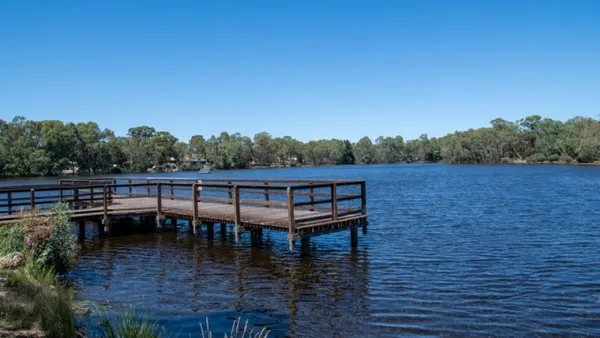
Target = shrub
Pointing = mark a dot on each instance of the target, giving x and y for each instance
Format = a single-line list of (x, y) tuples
[(536, 158), (61, 248), (11, 239), (566, 159), (553, 158)]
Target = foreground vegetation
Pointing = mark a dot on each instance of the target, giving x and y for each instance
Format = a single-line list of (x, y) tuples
[(29, 148), (32, 254), (35, 302)]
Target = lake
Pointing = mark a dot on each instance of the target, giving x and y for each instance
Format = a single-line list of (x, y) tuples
[(451, 250)]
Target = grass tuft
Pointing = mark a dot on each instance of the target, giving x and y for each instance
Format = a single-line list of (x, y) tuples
[(131, 325), (236, 332), (11, 239)]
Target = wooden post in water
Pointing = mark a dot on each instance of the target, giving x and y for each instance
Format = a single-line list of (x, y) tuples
[(237, 212), (195, 215), (334, 206), (305, 244), (223, 228), (172, 190), (130, 188), (210, 231), (148, 187), (353, 237), (290, 203), (32, 197), (81, 231), (92, 196)]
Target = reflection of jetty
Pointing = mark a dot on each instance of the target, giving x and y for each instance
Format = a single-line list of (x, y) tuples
[(302, 208)]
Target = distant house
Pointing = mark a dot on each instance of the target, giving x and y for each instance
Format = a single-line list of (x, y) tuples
[(193, 160)]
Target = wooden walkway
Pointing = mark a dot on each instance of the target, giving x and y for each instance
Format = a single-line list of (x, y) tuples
[(299, 207)]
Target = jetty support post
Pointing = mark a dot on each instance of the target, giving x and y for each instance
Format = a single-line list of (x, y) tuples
[(305, 244), (195, 215), (290, 201), (237, 213), (81, 231), (223, 227), (210, 231), (256, 237), (354, 236)]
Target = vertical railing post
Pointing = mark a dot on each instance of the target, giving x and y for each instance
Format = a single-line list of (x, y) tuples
[(312, 198), (237, 212), (172, 189), (290, 204), (267, 194), (229, 193), (105, 220), (32, 197), (195, 205), (158, 199), (105, 202), (61, 195), (363, 197), (92, 195), (334, 206), (9, 197), (76, 198), (130, 188), (148, 187)]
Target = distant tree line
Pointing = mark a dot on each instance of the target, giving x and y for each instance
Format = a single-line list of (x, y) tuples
[(32, 148)]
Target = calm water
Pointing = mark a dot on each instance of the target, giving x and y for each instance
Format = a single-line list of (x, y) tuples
[(451, 250)]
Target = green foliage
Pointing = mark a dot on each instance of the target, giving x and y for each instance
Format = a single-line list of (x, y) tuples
[(11, 239), (61, 249), (49, 147), (38, 300), (131, 325)]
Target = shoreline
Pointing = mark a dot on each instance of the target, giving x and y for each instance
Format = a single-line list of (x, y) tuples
[(520, 163)]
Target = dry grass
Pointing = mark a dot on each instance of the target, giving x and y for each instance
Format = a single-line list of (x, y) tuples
[(236, 331)]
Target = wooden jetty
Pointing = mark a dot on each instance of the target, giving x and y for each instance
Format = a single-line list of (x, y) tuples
[(302, 208)]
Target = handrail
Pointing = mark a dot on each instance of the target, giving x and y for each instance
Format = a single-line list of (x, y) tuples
[(240, 194)]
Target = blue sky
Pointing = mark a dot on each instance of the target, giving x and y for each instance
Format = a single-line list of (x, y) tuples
[(308, 69)]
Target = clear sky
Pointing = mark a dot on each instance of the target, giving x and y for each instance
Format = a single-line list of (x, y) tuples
[(308, 69)]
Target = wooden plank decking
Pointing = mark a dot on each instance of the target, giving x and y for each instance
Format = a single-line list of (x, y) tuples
[(301, 208)]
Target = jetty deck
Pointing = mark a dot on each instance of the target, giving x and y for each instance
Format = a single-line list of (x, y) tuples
[(302, 208)]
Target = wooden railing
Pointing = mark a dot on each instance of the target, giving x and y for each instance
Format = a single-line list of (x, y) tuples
[(299, 201)]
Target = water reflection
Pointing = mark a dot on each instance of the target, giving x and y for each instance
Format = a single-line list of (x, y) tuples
[(180, 279)]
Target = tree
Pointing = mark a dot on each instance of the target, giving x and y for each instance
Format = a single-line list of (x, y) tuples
[(364, 151), (264, 149)]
